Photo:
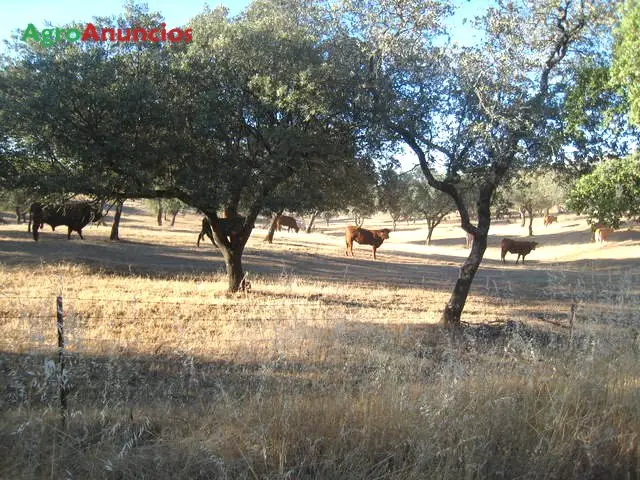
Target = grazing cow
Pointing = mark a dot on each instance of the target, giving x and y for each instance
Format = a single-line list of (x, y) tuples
[(549, 219), (469, 240), (365, 237), (286, 221), (601, 234), (522, 248), (75, 215)]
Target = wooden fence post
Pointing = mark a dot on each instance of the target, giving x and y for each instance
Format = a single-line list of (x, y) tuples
[(572, 321), (62, 384)]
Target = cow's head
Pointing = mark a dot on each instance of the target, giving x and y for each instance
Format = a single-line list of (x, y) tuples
[(384, 233), (533, 245)]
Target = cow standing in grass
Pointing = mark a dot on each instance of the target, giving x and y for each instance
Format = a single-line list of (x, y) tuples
[(521, 248), (365, 237), (75, 215), (286, 221), (601, 234), (549, 219)]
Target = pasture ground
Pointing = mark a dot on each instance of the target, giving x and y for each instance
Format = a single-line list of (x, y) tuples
[(330, 367)]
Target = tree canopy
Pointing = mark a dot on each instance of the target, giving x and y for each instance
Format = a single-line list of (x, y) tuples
[(257, 106), (610, 193)]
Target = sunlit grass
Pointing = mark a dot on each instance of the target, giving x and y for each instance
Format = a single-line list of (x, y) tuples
[(171, 377)]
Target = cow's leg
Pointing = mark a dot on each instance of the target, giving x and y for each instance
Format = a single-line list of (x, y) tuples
[(79, 233), (374, 253)]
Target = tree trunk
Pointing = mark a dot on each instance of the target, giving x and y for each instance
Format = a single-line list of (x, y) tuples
[(272, 228), (455, 305), (359, 220), (313, 219), (115, 226), (18, 216), (231, 236), (453, 309), (173, 218), (429, 233), (160, 213), (235, 272), (394, 221), (523, 216), (530, 223)]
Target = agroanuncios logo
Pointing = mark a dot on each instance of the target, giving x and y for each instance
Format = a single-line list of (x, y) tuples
[(50, 36)]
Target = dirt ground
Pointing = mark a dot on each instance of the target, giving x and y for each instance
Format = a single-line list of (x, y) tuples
[(565, 252)]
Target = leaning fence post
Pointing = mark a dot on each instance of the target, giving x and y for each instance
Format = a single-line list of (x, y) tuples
[(61, 380)]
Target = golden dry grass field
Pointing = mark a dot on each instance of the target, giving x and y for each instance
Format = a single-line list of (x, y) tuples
[(330, 367)]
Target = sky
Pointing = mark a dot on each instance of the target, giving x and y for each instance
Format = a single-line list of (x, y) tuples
[(17, 14)]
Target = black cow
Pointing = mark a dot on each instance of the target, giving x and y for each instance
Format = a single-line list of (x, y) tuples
[(228, 227), (75, 215), (206, 230)]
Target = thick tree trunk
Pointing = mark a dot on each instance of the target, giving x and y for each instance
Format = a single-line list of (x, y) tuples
[(160, 213), (312, 220), (235, 273), (530, 223), (18, 216), (272, 228), (394, 221), (523, 216), (115, 226), (231, 236), (173, 218)]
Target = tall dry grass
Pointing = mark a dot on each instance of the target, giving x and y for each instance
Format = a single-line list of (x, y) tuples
[(172, 378)]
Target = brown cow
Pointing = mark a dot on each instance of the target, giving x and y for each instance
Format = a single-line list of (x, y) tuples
[(549, 219), (365, 237), (286, 221), (522, 248), (601, 234)]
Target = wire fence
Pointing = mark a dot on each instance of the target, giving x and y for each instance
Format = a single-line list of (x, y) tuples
[(145, 325)]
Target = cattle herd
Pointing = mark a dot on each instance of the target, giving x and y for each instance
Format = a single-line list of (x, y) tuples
[(76, 215)]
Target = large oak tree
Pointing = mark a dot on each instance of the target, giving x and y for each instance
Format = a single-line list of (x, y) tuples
[(225, 123)]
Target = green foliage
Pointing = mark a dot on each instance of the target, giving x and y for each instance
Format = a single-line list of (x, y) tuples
[(393, 191), (595, 118), (609, 193), (536, 191), (625, 69)]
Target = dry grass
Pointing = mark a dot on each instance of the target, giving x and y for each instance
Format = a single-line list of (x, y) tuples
[(315, 375)]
